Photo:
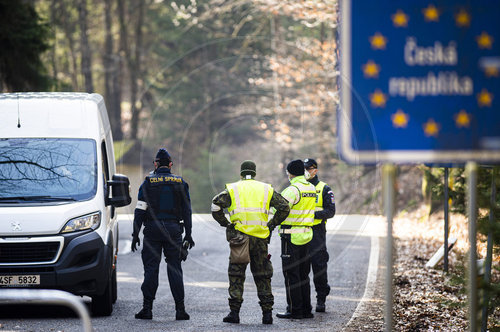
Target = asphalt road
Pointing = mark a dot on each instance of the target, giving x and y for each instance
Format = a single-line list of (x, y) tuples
[(350, 240)]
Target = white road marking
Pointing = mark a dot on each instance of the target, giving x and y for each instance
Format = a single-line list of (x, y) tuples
[(371, 278)]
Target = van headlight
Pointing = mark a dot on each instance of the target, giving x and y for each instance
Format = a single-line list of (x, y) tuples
[(89, 221)]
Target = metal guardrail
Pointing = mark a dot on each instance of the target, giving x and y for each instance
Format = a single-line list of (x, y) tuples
[(48, 296)]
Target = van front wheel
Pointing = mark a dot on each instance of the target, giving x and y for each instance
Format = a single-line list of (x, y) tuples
[(102, 305)]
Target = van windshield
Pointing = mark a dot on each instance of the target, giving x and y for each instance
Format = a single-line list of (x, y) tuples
[(47, 169)]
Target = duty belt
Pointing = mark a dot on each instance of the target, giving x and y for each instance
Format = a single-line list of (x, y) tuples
[(304, 229), (175, 221)]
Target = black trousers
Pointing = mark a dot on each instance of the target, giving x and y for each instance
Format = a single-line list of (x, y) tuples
[(296, 267), (319, 261), (169, 241)]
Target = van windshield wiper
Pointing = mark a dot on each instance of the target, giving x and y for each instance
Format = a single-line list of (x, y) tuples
[(35, 198)]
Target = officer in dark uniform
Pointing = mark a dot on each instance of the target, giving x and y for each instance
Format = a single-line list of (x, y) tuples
[(325, 209), (163, 201)]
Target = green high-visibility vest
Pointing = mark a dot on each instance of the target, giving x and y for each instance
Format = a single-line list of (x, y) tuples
[(301, 215), (319, 200), (249, 210)]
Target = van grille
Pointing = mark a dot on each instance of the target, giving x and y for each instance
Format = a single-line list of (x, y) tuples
[(28, 252)]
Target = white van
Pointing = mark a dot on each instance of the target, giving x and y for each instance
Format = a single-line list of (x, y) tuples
[(58, 194)]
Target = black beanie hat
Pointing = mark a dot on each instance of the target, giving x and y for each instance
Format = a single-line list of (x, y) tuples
[(296, 167), (163, 157), (248, 168)]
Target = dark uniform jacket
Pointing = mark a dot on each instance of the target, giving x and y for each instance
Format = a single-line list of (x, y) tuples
[(328, 202), (163, 197)]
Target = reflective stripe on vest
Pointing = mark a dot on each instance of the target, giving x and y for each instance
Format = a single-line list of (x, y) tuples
[(319, 200), (249, 210), (294, 230)]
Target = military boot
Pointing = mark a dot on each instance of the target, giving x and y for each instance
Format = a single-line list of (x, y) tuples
[(232, 317), (180, 312), (320, 305), (267, 317), (146, 311)]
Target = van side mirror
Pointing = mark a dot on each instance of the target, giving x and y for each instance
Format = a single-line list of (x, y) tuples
[(120, 191)]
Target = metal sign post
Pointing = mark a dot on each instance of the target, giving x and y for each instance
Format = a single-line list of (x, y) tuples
[(489, 251), (388, 183), (446, 219), (471, 170)]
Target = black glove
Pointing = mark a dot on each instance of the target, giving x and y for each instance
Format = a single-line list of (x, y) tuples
[(271, 227), (189, 239), (183, 254), (135, 242)]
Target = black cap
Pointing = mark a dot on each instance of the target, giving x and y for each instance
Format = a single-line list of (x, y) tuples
[(248, 168), (309, 162), (163, 157), (296, 167)]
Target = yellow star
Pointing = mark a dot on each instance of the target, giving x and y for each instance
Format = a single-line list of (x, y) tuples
[(484, 98), (484, 40), (400, 19), (462, 119), (431, 128), (491, 71), (431, 13), (462, 18), (400, 119), (378, 99), (371, 69), (378, 41)]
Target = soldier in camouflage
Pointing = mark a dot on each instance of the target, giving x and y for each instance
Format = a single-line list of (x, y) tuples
[(248, 202)]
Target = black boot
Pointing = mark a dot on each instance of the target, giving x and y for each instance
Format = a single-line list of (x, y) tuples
[(232, 317), (320, 305), (146, 311), (180, 312), (267, 317)]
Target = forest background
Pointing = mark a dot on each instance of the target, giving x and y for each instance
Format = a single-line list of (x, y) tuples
[(216, 82)]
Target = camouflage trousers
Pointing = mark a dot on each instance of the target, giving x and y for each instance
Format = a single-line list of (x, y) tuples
[(262, 270)]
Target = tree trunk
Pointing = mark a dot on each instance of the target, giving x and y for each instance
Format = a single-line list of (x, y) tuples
[(69, 30), (123, 53), (54, 46), (135, 70), (110, 73), (86, 64)]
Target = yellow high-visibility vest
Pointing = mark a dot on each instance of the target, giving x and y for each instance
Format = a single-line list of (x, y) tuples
[(301, 215), (249, 210), (319, 200)]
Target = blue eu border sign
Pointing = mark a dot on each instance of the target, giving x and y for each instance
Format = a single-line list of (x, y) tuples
[(420, 81)]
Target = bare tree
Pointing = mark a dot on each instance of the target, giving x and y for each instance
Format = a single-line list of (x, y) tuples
[(86, 64), (132, 57), (135, 70), (111, 67)]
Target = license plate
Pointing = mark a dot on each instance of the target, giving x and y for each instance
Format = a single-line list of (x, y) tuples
[(25, 280)]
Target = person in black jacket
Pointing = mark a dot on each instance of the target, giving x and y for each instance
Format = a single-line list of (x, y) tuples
[(163, 202), (325, 209)]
